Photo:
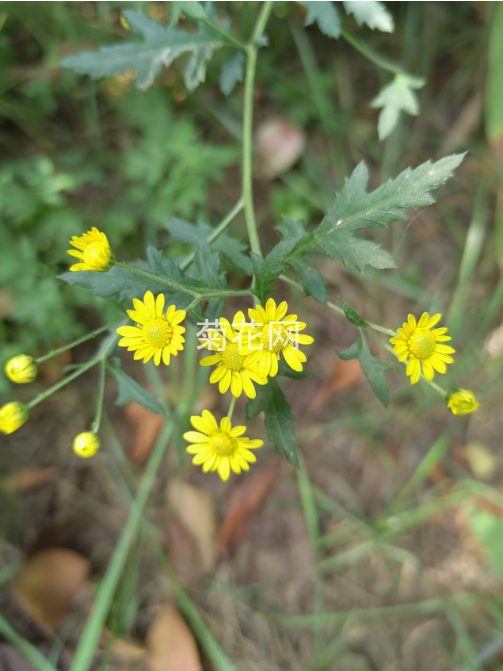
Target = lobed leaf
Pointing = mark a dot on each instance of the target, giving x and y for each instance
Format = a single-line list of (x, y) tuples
[(130, 390), (279, 419), (232, 73), (395, 98), (160, 47), (372, 13), (326, 16)]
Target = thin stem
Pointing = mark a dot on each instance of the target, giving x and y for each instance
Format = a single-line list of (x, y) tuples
[(251, 65), (228, 38), (80, 371), (101, 395), (73, 344), (94, 626), (228, 219), (25, 647), (231, 407), (375, 58)]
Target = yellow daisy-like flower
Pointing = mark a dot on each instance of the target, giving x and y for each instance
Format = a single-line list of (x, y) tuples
[(86, 444), (220, 448), (462, 402), (21, 369), (93, 251), (156, 334), (422, 345), (278, 334), (12, 416), (233, 369)]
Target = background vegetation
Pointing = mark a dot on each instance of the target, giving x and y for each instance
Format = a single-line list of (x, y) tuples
[(384, 550)]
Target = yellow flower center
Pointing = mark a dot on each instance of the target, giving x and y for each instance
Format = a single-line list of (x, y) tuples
[(274, 337), (223, 444), (97, 255), (157, 332), (232, 358), (421, 343)]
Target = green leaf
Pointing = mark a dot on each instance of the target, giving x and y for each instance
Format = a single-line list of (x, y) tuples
[(232, 73), (207, 263), (326, 16), (130, 390), (285, 371), (373, 368), (230, 248), (279, 419), (374, 14), (351, 315), (161, 46), (311, 279), (191, 8), (395, 98)]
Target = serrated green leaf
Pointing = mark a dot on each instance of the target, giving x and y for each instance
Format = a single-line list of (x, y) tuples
[(351, 314), (130, 390), (357, 253), (229, 247), (190, 8), (326, 16), (160, 47), (285, 371), (232, 73), (207, 263), (311, 279), (372, 13), (279, 419), (395, 98), (372, 367)]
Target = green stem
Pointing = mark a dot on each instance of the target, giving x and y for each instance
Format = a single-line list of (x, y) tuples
[(101, 395), (251, 65), (228, 219), (228, 38), (206, 294), (73, 344), (80, 371), (94, 626), (231, 407), (31, 653), (375, 58)]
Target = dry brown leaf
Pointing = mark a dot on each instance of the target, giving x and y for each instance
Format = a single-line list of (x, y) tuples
[(245, 499), (481, 460), (146, 426), (28, 479), (51, 371), (280, 145), (49, 582), (344, 374), (12, 660), (170, 643), (128, 652), (195, 508), (183, 552)]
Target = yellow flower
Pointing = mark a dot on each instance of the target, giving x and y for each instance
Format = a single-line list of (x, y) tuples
[(220, 448), (21, 369), (12, 416), (233, 369), (421, 345), (462, 402), (86, 444), (93, 251), (277, 334), (156, 334)]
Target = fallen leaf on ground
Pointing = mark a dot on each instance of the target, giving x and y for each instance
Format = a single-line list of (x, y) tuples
[(195, 508), (481, 460), (12, 660), (146, 427), (49, 582), (170, 643), (128, 652), (280, 145), (245, 499), (344, 374), (184, 552), (28, 478)]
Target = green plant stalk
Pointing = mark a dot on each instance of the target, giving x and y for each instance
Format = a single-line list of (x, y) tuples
[(25, 647), (222, 226), (73, 344), (231, 407), (251, 64), (375, 58), (80, 371), (93, 628), (101, 395), (198, 296)]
